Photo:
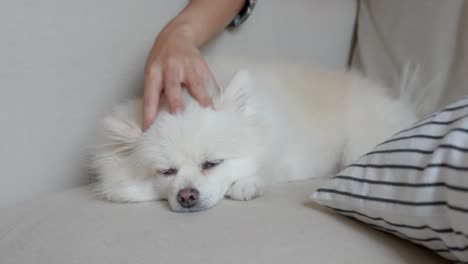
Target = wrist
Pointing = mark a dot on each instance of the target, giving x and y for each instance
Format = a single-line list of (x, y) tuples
[(181, 30)]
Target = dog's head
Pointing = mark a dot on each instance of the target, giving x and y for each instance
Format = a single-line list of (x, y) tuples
[(194, 157)]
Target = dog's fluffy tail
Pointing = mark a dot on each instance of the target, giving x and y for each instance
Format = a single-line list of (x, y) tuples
[(422, 95)]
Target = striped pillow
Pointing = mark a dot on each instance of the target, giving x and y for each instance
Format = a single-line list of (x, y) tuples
[(414, 185)]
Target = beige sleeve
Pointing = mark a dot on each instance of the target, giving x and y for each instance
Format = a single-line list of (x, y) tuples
[(428, 36)]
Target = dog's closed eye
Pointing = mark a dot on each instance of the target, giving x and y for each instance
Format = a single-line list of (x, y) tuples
[(168, 172), (210, 164)]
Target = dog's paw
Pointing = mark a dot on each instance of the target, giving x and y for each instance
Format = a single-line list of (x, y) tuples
[(245, 189), (132, 193)]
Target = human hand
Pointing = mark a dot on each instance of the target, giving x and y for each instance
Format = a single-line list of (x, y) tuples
[(173, 64)]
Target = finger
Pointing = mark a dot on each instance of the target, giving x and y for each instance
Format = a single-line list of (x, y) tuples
[(196, 85), (173, 90), (151, 95), (211, 81)]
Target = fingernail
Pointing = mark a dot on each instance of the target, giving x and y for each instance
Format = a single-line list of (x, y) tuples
[(178, 110), (207, 102)]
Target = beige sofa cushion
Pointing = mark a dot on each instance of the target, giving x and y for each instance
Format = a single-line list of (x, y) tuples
[(283, 226)]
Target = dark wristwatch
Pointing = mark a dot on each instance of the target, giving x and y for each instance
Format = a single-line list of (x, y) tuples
[(244, 13)]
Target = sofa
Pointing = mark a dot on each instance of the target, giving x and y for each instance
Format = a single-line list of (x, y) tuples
[(65, 64)]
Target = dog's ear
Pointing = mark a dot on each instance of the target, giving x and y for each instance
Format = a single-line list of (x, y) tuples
[(236, 95), (121, 135)]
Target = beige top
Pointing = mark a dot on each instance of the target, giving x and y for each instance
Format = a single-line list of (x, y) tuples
[(430, 37)]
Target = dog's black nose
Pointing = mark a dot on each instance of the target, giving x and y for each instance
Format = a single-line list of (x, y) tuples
[(187, 197)]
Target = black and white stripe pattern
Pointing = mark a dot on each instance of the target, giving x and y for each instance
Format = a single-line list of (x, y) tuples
[(413, 185)]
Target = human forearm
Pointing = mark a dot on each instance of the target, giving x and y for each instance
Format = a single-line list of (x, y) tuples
[(200, 20)]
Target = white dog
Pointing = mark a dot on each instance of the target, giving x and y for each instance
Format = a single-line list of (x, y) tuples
[(269, 124)]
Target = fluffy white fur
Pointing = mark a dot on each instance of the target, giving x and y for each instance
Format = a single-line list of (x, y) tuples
[(271, 123)]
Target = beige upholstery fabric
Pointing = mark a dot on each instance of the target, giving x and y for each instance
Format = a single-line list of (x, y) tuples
[(283, 226), (428, 33)]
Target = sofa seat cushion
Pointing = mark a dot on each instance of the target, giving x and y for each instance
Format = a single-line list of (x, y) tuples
[(283, 226)]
